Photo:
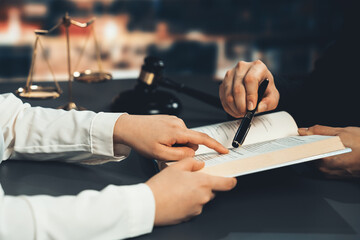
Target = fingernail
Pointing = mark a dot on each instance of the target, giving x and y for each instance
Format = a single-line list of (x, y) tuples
[(262, 107), (250, 105)]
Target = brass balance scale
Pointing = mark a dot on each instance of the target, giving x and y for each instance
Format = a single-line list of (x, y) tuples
[(47, 92)]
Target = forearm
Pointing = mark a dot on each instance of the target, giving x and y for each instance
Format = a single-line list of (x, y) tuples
[(47, 134), (16, 218), (113, 213)]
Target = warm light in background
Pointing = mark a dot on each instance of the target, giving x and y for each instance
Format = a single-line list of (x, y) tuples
[(12, 32), (110, 31), (34, 9), (208, 38)]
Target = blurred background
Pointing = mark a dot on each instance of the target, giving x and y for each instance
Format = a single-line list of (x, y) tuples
[(197, 37)]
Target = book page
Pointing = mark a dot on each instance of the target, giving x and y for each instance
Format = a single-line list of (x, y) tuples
[(271, 154), (250, 150), (263, 128)]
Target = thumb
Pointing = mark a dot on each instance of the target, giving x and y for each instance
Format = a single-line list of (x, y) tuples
[(189, 164), (319, 130), (269, 101), (304, 131)]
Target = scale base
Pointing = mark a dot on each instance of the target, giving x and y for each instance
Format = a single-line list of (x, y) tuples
[(38, 92), (91, 77), (71, 106)]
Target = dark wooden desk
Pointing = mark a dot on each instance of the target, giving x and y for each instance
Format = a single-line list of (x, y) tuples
[(287, 203)]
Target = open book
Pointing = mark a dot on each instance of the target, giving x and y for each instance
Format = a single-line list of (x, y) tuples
[(272, 142)]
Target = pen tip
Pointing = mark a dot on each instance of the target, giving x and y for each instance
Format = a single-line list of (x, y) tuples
[(235, 144)]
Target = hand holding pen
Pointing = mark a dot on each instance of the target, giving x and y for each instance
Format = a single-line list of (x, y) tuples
[(238, 90), (246, 121)]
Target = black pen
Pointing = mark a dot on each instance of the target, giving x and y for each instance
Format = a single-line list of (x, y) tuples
[(246, 121)]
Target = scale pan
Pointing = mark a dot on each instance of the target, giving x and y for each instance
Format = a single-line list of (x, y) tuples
[(92, 77), (38, 92)]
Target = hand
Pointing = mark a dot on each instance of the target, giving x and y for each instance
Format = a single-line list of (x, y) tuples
[(344, 165), (155, 136), (180, 192), (238, 91)]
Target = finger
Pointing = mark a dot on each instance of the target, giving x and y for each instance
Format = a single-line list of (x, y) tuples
[(212, 196), (324, 130), (320, 130), (189, 164), (239, 94), (270, 100), (238, 90), (222, 183), (195, 137), (223, 101), (193, 146), (254, 76), (186, 219), (226, 93), (174, 153), (333, 173), (303, 131)]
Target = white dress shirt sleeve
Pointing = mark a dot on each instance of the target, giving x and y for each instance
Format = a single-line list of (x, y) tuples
[(37, 133)]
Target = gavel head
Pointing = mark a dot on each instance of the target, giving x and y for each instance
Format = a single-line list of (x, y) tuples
[(151, 71), (146, 98)]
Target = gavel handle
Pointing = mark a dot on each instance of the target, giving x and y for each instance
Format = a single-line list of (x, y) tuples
[(180, 87)]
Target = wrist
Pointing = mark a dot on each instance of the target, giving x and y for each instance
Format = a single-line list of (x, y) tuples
[(121, 128)]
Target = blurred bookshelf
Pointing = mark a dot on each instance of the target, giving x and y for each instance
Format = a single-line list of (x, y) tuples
[(198, 37)]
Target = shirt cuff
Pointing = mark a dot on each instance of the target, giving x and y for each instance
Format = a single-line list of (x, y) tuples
[(102, 131)]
